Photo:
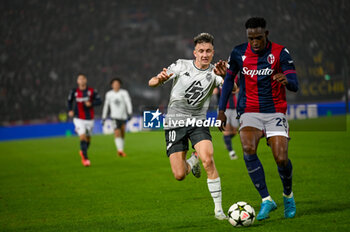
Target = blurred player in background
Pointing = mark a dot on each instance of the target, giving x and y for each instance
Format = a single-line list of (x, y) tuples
[(193, 84), (118, 103), (232, 123), (266, 70), (85, 99)]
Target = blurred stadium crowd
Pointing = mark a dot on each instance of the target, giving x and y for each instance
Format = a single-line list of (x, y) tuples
[(44, 44)]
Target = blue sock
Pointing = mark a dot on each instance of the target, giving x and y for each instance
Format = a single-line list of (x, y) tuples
[(256, 173), (228, 142), (83, 147), (88, 144), (286, 174)]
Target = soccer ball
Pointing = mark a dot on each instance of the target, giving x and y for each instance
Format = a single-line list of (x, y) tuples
[(241, 214)]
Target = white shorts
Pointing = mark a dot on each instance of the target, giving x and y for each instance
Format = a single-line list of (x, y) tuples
[(83, 127), (272, 124), (231, 115)]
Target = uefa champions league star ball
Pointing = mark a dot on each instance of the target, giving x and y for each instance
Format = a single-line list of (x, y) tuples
[(241, 214)]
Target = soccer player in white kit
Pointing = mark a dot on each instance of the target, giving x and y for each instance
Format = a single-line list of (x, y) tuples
[(193, 84), (118, 102)]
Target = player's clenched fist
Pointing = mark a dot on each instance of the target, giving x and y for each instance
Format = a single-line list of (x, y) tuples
[(222, 118), (281, 78), (163, 75), (160, 78), (71, 113)]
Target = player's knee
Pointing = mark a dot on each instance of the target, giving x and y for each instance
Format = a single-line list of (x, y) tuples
[(179, 175), (249, 149), (282, 161), (207, 162)]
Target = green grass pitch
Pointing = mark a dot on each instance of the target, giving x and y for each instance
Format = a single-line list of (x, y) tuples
[(44, 187)]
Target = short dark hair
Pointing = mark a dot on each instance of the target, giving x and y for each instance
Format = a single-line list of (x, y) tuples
[(255, 22), (116, 79), (81, 74), (203, 38)]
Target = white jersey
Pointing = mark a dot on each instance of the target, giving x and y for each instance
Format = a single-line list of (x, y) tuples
[(119, 104), (191, 90)]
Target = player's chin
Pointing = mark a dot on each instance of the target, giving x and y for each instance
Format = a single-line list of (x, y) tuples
[(205, 61)]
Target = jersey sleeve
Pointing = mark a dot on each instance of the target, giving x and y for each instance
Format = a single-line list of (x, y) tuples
[(174, 69), (105, 106), (218, 80), (233, 68), (128, 103), (288, 69), (96, 99), (70, 100)]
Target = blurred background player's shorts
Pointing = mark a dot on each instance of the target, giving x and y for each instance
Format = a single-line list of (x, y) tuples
[(231, 115), (83, 126)]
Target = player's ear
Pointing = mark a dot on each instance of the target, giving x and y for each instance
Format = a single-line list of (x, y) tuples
[(266, 33)]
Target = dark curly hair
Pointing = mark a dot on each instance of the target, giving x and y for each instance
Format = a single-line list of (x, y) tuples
[(255, 22)]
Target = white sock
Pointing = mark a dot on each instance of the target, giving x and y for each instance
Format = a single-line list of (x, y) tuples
[(192, 161), (267, 198), (288, 196), (214, 186), (119, 143)]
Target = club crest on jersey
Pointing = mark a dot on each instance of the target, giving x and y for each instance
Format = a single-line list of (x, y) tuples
[(271, 59), (208, 77), (117, 102)]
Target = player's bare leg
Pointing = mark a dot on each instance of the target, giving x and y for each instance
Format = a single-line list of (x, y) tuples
[(179, 166), (119, 140), (84, 143), (279, 146), (250, 138), (229, 132), (205, 151)]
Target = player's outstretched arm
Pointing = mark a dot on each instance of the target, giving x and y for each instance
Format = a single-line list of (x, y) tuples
[(159, 79)]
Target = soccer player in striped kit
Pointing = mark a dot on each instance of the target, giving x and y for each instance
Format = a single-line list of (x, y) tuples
[(266, 70), (85, 99)]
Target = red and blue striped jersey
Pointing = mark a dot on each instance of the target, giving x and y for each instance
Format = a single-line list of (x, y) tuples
[(80, 97), (258, 92), (232, 99)]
